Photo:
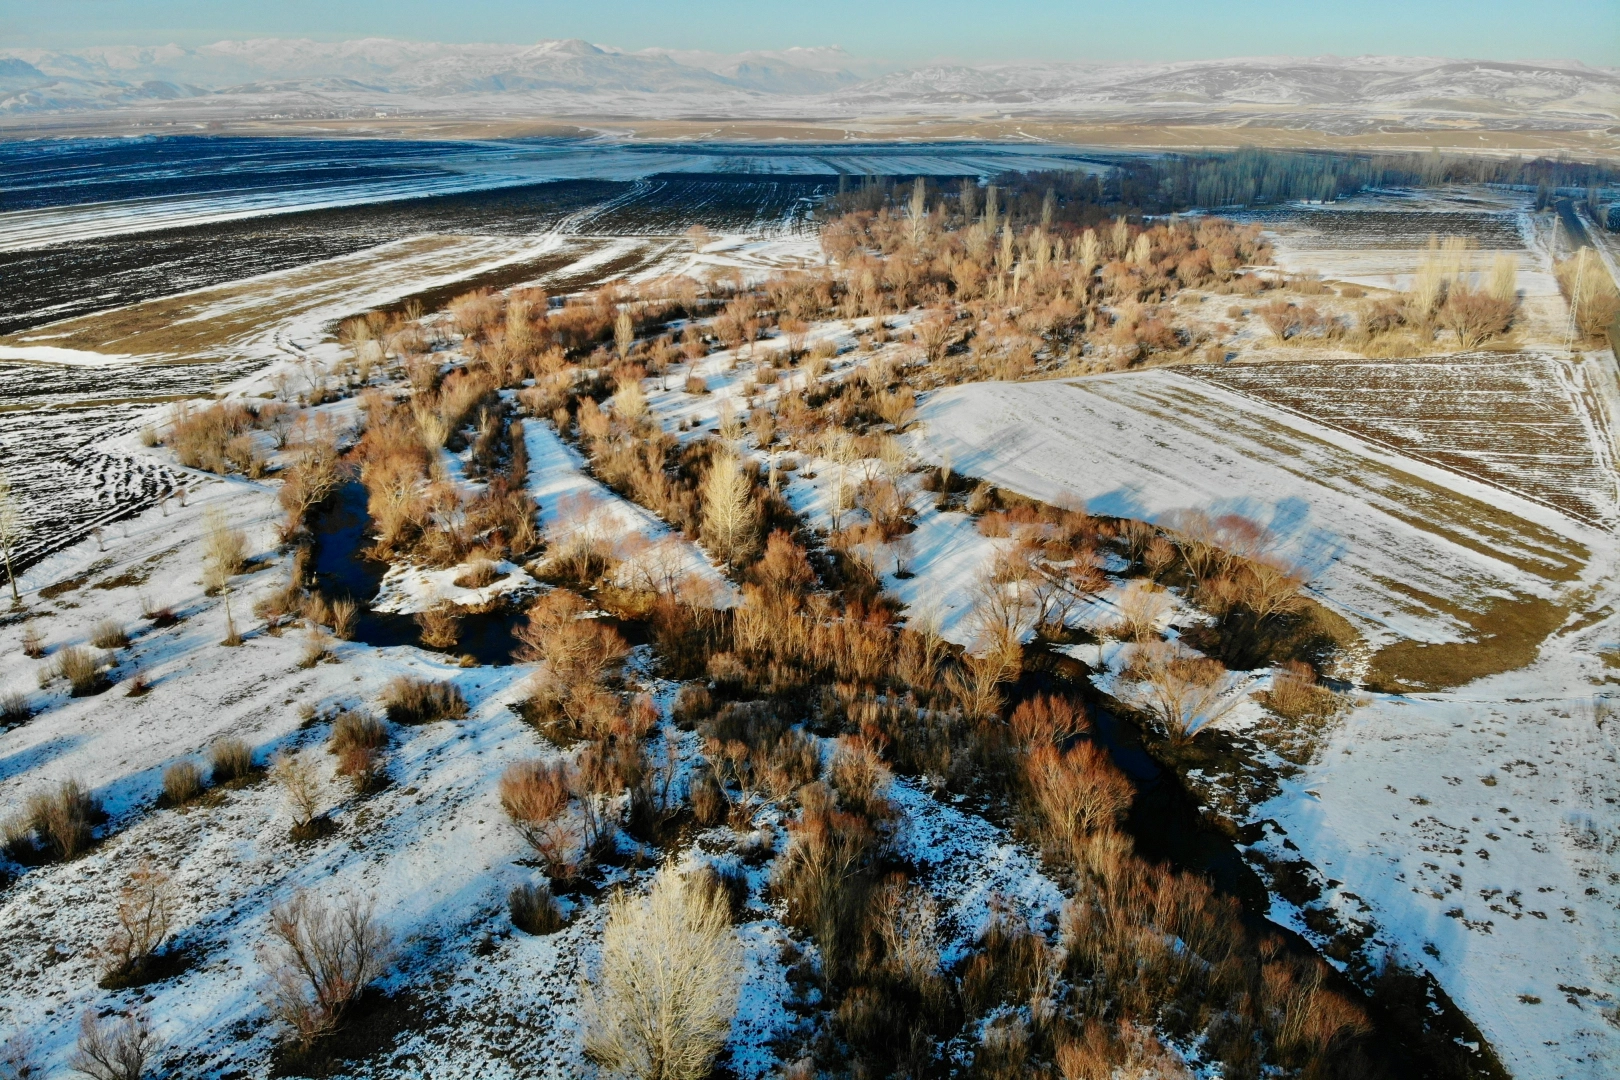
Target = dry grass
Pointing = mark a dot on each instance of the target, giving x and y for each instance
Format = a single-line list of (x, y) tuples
[(182, 782), (418, 701), (63, 819), (229, 759), (534, 910), (109, 634), (81, 668), (14, 708)]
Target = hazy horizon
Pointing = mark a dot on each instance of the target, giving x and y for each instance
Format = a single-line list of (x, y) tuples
[(902, 34)]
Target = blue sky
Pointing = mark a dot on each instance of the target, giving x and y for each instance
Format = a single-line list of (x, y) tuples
[(899, 30)]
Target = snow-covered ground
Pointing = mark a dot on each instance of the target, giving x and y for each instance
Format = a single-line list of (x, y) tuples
[(1477, 829), (1379, 531)]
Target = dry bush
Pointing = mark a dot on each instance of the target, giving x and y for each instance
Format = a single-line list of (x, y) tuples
[(202, 438), (109, 634), (662, 1002), (1047, 720), (33, 642), (1075, 792), (440, 625), (145, 913), (182, 782), (1475, 317), (822, 876), (224, 550), (859, 776), (63, 819), (229, 759), (1180, 694), (19, 1058), (536, 796), (534, 910), (355, 728), (81, 668), (320, 957), (1142, 606), (114, 1051), (418, 701), (1594, 300), (576, 653), (301, 784)]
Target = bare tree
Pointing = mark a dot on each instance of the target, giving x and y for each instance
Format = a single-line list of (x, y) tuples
[(730, 515), (145, 912), (321, 956), (624, 332), (301, 783), (114, 1051), (662, 1003)]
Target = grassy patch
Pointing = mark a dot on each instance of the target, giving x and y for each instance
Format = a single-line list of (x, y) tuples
[(1505, 637)]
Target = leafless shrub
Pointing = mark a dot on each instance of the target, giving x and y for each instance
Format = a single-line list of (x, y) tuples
[(144, 915), (109, 634), (229, 759), (62, 818), (730, 515), (114, 1051), (1075, 792), (182, 782), (33, 642), (661, 1005), (1179, 693), (419, 701), (1047, 721), (696, 385), (320, 957), (534, 910), (1142, 606), (301, 784), (224, 550), (19, 1059), (535, 796), (819, 876)]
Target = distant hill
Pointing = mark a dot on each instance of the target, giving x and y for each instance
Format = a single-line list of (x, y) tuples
[(574, 77)]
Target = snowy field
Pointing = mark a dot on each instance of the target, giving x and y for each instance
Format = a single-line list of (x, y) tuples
[(1477, 829)]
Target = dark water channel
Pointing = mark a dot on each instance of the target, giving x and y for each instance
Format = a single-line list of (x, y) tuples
[(1420, 1032), (342, 531)]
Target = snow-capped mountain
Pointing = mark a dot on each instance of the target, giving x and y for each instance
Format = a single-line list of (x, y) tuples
[(574, 77)]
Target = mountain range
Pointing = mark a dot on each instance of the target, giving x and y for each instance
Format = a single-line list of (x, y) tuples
[(576, 78)]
